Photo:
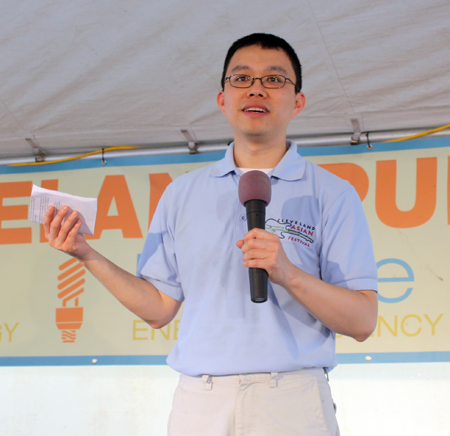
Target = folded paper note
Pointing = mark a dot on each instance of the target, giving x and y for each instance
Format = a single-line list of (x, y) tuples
[(42, 198)]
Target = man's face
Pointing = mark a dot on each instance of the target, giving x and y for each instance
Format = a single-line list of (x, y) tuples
[(259, 114)]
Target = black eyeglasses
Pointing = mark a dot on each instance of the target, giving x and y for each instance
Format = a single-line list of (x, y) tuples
[(272, 81)]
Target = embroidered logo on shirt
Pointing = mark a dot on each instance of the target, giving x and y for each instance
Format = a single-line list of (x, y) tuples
[(295, 231)]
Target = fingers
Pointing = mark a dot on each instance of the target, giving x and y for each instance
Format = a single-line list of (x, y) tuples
[(259, 239), (257, 255), (261, 249), (260, 234), (254, 235), (53, 222), (47, 220), (61, 227), (260, 252)]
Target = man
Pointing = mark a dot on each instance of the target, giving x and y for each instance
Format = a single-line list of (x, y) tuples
[(250, 369)]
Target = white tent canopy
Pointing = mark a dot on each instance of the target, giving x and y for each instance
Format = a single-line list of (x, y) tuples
[(79, 75)]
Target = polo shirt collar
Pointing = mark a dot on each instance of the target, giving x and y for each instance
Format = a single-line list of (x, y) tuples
[(225, 165), (290, 167)]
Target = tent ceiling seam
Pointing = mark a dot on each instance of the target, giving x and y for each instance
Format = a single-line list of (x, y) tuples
[(12, 116), (330, 57)]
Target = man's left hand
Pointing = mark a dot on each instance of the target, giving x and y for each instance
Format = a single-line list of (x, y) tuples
[(262, 249)]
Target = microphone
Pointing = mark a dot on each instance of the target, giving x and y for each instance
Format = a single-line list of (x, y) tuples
[(255, 192)]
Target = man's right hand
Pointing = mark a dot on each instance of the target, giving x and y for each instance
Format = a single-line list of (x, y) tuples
[(136, 294), (65, 236)]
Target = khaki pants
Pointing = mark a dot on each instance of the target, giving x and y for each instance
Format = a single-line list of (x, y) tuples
[(296, 403)]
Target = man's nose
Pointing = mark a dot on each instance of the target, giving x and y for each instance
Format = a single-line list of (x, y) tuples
[(257, 89)]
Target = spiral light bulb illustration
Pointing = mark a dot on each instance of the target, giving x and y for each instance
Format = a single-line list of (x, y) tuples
[(69, 319)]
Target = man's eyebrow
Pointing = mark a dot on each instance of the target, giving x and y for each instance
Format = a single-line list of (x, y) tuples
[(239, 68), (277, 68), (271, 68)]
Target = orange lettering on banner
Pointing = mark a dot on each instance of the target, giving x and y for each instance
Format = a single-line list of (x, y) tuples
[(18, 212), (353, 173), (158, 184), (47, 184), (386, 188), (116, 187)]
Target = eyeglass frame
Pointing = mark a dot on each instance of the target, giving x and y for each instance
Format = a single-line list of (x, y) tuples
[(286, 79)]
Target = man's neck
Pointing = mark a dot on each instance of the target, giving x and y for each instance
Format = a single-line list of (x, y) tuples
[(249, 154)]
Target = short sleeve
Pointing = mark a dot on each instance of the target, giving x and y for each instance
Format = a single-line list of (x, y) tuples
[(157, 263), (347, 257)]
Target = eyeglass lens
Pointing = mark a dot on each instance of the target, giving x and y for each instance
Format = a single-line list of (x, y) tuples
[(245, 81)]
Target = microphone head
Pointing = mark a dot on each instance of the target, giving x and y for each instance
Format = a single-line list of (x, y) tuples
[(255, 185)]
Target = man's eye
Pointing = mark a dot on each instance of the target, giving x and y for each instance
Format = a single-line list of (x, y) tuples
[(273, 79), (241, 78)]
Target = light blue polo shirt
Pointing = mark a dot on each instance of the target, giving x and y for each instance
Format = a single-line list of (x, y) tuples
[(190, 254)]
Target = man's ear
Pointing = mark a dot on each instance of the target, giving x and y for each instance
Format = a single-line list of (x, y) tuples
[(221, 101), (300, 102)]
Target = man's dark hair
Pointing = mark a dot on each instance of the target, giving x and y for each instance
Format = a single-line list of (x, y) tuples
[(267, 41)]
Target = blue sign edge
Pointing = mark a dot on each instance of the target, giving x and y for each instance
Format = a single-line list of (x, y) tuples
[(343, 358)]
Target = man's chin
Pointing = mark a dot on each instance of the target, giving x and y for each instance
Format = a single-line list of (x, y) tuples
[(256, 133)]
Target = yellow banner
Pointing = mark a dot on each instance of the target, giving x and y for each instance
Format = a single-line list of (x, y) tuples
[(51, 307)]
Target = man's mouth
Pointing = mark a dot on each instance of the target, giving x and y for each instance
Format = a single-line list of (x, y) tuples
[(255, 109)]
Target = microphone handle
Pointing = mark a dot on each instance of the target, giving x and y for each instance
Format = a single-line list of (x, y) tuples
[(256, 218)]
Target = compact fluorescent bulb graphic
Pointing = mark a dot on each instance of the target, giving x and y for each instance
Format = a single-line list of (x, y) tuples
[(69, 319)]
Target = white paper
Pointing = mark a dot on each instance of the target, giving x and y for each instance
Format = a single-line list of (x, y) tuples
[(42, 198)]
